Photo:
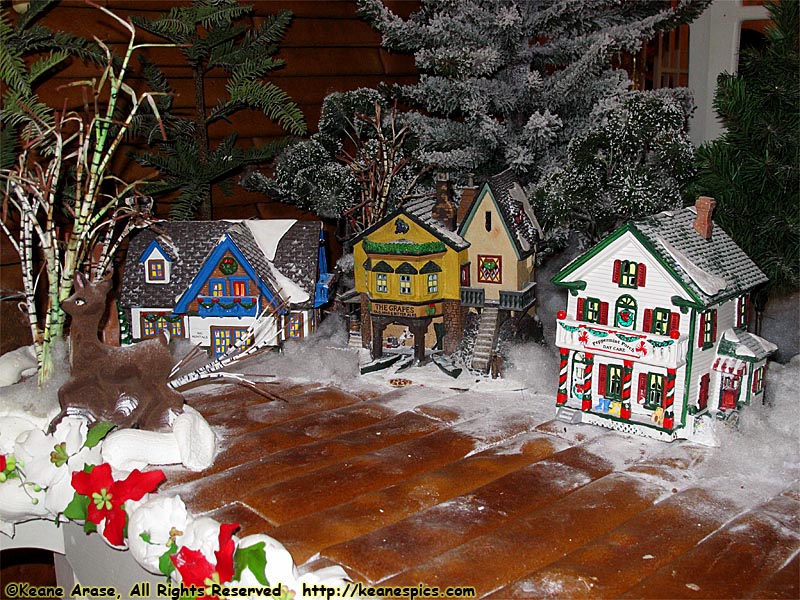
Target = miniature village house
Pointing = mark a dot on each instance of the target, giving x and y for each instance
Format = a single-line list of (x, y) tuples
[(418, 267), (654, 339), (208, 281)]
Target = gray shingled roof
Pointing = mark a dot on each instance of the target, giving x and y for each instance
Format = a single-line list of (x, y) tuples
[(188, 244), (718, 257), (419, 209), (523, 230)]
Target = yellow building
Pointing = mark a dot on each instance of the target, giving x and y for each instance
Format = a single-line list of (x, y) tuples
[(416, 268), (407, 271)]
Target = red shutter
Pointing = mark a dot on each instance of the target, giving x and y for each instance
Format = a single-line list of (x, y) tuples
[(714, 325), (674, 321), (648, 320), (641, 275), (617, 268), (642, 389), (747, 307), (701, 329), (579, 315), (601, 380), (703, 399), (604, 313)]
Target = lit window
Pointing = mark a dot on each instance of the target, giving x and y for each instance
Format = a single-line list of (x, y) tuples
[(708, 328), (176, 328), (295, 330), (239, 287), (381, 283), (741, 312), (433, 283), (242, 338), (758, 380), (627, 275), (148, 328), (654, 395), (217, 287), (405, 284), (591, 310), (661, 318), (613, 382), (155, 270)]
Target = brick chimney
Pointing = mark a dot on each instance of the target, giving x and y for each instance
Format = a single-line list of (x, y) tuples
[(703, 222), (444, 209), (467, 196)]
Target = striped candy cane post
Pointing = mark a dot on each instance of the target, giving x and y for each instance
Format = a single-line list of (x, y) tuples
[(669, 400), (627, 378), (561, 397), (586, 403)]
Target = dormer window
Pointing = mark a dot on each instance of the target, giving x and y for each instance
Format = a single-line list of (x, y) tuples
[(157, 265), (156, 270)]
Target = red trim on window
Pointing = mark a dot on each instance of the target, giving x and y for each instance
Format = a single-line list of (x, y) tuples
[(648, 320), (674, 321), (617, 269), (601, 380), (641, 391), (714, 325), (579, 315), (701, 333), (604, 313), (641, 275)]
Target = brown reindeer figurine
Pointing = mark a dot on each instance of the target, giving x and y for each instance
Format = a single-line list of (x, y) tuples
[(124, 385)]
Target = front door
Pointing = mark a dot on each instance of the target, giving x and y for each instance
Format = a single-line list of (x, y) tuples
[(729, 392)]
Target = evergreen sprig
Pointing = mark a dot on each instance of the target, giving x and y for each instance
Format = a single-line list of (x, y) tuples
[(211, 38), (753, 169)]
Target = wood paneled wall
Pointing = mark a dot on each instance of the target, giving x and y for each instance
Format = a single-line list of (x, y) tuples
[(327, 48)]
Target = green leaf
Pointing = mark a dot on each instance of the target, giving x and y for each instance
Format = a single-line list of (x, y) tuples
[(97, 432), (145, 535), (254, 558), (89, 527), (78, 508), (165, 565)]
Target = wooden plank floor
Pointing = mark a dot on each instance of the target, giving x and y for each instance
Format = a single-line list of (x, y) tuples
[(466, 489)]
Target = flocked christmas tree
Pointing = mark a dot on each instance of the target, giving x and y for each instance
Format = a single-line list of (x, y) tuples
[(635, 161), (753, 169), (214, 35), (356, 168), (508, 83)]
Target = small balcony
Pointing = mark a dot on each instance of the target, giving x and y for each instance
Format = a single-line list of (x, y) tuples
[(227, 306), (650, 348), (520, 300), (472, 297)]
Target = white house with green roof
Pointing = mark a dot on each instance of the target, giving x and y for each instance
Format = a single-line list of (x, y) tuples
[(654, 337)]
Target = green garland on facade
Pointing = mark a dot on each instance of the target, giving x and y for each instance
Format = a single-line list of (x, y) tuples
[(404, 248)]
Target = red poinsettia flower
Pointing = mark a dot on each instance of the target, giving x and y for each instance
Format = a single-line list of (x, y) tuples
[(107, 497), (195, 568)]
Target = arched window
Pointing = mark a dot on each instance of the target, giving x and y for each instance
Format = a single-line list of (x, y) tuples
[(625, 314)]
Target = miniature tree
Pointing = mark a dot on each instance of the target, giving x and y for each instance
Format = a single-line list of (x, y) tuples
[(753, 169), (64, 197), (30, 52), (357, 168), (211, 36), (635, 161), (508, 83)]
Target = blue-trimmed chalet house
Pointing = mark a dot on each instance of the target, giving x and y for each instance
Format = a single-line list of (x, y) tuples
[(207, 281), (654, 337)]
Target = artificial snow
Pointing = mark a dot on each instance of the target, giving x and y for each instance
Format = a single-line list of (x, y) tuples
[(268, 233), (709, 283)]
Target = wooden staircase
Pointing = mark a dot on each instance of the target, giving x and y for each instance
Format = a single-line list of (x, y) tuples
[(485, 340)]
